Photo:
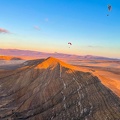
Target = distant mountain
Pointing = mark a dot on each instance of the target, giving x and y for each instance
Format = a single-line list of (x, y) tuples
[(49, 89), (9, 58), (36, 54)]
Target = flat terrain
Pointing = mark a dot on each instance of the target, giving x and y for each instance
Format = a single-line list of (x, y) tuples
[(10, 64), (107, 70)]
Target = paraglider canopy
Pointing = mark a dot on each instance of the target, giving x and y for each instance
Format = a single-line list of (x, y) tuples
[(109, 7), (69, 43)]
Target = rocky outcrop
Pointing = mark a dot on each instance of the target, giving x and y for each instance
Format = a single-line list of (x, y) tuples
[(53, 90)]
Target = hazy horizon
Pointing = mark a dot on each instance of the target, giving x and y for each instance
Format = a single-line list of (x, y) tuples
[(48, 54), (48, 26)]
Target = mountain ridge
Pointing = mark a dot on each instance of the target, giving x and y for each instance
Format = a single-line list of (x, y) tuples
[(39, 90), (36, 54)]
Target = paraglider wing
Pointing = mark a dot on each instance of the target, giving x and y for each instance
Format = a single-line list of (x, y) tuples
[(109, 7), (69, 43)]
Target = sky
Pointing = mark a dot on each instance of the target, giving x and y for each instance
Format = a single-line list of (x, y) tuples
[(48, 26)]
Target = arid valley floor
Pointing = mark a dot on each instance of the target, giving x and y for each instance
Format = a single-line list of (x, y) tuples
[(108, 71)]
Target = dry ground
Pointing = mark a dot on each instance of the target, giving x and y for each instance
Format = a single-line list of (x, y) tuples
[(107, 71)]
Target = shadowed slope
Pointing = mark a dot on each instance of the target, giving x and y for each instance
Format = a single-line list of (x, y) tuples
[(51, 89)]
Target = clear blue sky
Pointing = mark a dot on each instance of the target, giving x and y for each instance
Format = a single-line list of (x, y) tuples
[(48, 26)]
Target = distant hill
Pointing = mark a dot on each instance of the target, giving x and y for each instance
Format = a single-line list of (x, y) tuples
[(26, 54), (9, 58), (49, 89)]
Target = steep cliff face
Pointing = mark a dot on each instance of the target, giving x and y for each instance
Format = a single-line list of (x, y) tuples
[(51, 89)]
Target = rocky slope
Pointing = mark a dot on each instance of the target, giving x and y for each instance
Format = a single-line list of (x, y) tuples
[(49, 89)]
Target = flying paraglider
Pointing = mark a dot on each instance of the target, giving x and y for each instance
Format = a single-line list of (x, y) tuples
[(109, 9), (69, 43)]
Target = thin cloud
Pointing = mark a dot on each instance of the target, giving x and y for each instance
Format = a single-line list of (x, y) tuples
[(46, 19), (37, 28), (91, 46), (2, 30)]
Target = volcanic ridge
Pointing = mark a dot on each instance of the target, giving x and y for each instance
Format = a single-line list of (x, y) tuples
[(49, 89)]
